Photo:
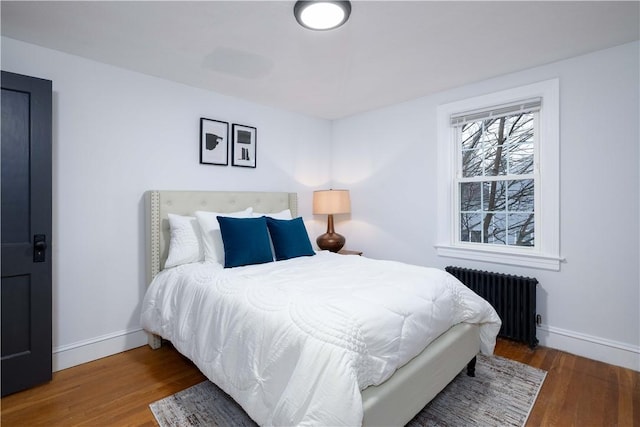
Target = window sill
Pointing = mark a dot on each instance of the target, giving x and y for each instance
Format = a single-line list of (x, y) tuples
[(532, 260)]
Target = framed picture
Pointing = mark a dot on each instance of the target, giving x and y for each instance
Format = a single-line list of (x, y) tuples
[(243, 148), (214, 142)]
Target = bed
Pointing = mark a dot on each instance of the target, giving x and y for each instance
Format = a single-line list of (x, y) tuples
[(393, 401)]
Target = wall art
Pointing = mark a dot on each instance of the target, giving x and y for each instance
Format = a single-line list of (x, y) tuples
[(214, 142), (243, 152)]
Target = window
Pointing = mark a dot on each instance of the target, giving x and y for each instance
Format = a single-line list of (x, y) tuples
[(495, 178), (498, 177)]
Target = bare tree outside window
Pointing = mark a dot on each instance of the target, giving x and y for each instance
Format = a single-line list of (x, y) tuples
[(496, 188)]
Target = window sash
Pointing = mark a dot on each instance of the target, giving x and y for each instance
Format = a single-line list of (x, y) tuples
[(460, 179)]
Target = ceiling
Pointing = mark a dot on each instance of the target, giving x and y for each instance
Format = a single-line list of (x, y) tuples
[(388, 51)]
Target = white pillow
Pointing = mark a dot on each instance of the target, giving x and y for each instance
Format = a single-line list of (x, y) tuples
[(185, 245), (211, 237), (285, 214)]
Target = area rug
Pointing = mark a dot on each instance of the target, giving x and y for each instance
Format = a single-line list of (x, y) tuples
[(501, 394)]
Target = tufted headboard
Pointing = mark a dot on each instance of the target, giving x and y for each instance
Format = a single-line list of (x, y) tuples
[(160, 203)]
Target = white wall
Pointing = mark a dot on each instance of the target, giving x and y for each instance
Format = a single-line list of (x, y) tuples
[(116, 134), (591, 307)]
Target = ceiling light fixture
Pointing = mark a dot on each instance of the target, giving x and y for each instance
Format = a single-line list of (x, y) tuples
[(322, 15)]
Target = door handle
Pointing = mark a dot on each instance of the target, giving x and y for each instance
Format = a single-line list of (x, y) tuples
[(39, 247)]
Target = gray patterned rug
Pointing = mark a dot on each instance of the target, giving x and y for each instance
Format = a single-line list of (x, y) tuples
[(501, 394)]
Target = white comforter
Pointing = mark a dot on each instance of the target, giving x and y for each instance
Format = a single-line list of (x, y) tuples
[(295, 341)]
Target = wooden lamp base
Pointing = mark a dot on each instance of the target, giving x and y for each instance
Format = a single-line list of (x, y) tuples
[(330, 241)]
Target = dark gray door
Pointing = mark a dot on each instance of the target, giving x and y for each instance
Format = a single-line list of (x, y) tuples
[(25, 289)]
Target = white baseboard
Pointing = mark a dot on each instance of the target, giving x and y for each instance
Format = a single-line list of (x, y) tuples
[(85, 351), (608, 351)]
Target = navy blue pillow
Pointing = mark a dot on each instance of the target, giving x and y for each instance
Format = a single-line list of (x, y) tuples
[(290, 238), (246, 241)]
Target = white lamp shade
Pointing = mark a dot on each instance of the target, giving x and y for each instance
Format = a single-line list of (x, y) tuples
[(331, 202)]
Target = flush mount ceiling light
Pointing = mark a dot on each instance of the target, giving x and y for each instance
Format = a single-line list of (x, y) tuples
[(322, 15)]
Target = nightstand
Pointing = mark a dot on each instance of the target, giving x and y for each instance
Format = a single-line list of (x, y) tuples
[(348, 252)]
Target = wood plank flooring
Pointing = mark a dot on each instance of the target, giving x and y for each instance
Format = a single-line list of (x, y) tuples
[(116, 391)]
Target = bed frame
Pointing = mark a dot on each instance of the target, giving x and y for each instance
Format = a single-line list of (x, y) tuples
[(392, 403)]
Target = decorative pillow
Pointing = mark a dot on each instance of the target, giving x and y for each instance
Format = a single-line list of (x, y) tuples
[(285, 214), (211, 239), (246, 241), (185, 244), (290, 238)]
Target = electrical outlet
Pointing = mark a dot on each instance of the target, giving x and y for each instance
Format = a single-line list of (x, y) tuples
[(538, 320)]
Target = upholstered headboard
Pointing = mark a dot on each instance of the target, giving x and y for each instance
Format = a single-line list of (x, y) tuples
[(161, 203)]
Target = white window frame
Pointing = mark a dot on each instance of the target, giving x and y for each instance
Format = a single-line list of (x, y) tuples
[(546, 253)]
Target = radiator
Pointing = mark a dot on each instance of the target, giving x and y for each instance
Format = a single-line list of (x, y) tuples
[(513, 297)]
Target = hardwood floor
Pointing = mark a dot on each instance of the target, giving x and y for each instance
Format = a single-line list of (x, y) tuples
[(578, 391), (116, 391)]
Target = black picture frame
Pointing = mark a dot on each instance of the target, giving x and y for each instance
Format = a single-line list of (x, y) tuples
[(214, 142), (243, 146)]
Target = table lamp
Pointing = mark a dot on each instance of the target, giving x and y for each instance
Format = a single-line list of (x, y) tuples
[(331, 202)]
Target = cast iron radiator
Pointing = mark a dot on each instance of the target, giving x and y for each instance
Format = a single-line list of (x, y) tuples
[(513, 297)]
